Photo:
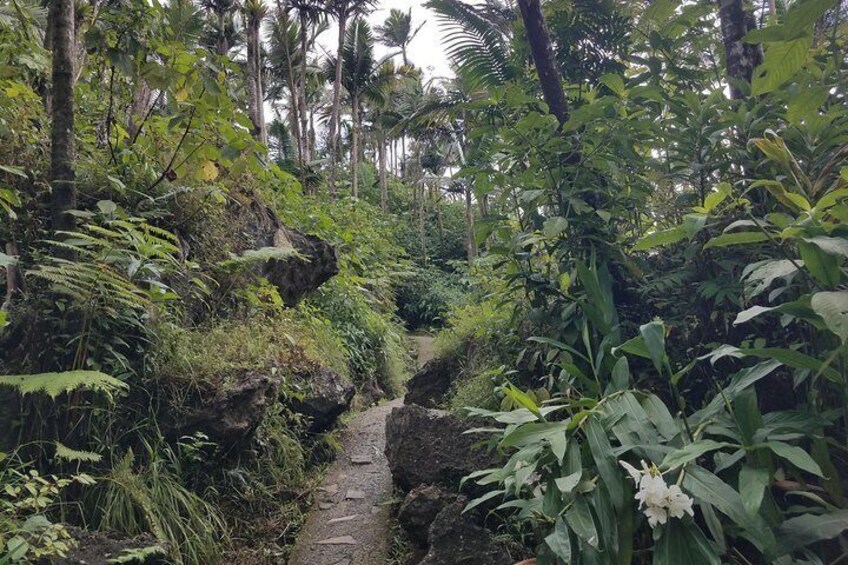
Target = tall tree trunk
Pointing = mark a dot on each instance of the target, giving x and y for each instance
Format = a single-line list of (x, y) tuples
[(470, 241), (384, 184), (62, 149), (223, 46), (543, 57), (403, 156), (335, 113), (741, 58), (422, 231), (304, 50), (354, 148), (293, 92), (13, 278), (252, 71)]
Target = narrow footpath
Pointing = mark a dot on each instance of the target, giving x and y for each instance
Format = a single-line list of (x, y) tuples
[(349, 524)]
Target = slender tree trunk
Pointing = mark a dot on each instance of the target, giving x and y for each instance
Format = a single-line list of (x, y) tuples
[(543, 57), (13, 278), (223, 45), (422, 231), (252, 70), (470, 241), (354, 148), (337, 104), (293, 93), (403, 156), (304, 51), (384, 184), (62, 149), (741, 58)]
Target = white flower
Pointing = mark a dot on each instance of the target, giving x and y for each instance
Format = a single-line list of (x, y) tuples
[(678, 503), (656, 499), (656, 515), (652, 491)]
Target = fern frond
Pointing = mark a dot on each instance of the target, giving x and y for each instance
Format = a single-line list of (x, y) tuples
[(68, 454), (55, 384), (261, 255)]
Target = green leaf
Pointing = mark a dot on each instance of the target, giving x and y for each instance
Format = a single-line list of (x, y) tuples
[(804, 13), (753, 482), (566, 484), (522, 399), (554, 227), (660, 238), (822, 266), (736, 238), (806, 104), (579, 519), (782, 60), (794, 455), (833, 309), (705, 486), (534, 432), (807, 529), (478, 501), (602, 453), (830, 245), (716, 197), (690, 452), (615, 83), (559, 542), (17, 171), (653, 335), (68, 454), (55, 384), (683, 544)]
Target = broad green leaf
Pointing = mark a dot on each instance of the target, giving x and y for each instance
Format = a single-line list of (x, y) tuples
[(794, 455), (690, 452), (705, 486), (554, 227), (736, 238), (782, 60), (807, 529), (620, 377), (615, 83), (833, 309), (716, 197), (683, 544), (821, 265), (830, 245), (660, 238), (579, 519), (805, 104), (478, 501), (753, 482), (750, 314), (522, 399), (653, 334), (804, 13), (566, 484), (534, 432), (601, 450), (559, 542)]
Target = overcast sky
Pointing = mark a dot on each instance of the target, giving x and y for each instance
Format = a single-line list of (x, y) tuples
[(424, 52)]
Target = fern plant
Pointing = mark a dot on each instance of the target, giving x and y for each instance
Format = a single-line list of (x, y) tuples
[(112, 274)]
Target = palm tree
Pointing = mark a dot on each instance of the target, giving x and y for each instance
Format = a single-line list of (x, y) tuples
[(254, 12), (363, 77), (310, 15), (397, 32), (222, 30), (342, 10)]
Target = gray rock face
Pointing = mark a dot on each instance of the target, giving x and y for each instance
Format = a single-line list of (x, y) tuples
[(456, 540), (294, 277), (99, 547), (229, 416), (429, 386), (328, 395), (420, 508), (427, 446)]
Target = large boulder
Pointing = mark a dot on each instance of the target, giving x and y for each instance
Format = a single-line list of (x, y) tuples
[(426, 446), (295, 277), (327, 394), (420, 508), (429, 386), (456, 540), (229, 414)]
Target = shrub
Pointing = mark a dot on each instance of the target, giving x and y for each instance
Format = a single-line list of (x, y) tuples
[(426, 296)]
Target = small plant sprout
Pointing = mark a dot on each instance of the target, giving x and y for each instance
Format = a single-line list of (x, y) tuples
[(656, 499)]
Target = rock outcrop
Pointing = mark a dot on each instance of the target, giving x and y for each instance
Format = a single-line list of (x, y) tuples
[(455, 539), (230, 414), (295, 277), (420, 508), (327, 395), (102, 547), (426, 447), (429, 386)]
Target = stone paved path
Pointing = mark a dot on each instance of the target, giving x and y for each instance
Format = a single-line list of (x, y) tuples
[(349, 524)]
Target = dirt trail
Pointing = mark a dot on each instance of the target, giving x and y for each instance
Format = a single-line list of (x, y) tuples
[(349, 524)]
